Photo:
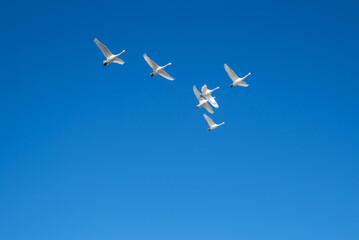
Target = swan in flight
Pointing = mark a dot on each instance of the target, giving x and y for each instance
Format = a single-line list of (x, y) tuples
[(157, 69), (211, 124), (109, 56), (202, 102), (236, 80), (207, 94)]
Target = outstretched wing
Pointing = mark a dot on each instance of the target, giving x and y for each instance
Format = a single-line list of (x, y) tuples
[(230, 72), (212, 101), (119, 61), (165, 75), (209, 120), (208, 108), (204, 89), (243, 84), (152, 64), (195, 90), (103, 48)]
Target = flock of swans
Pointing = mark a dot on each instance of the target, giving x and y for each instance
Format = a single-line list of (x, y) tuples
[(204, 97)]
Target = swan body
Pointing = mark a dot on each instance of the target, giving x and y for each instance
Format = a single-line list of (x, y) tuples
[(202, 101), (157, 69), (109, 56), (236, 80), (211, 124), (207, 94)]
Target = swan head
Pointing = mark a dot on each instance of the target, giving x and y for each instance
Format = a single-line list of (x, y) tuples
[(169, 64)]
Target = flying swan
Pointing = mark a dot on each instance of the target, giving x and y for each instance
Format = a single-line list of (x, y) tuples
[(236, 80), (109, 56), (157, 69), (207, 94), (211, 124), (202, 102)]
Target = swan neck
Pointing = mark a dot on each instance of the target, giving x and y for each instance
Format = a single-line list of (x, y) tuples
[(247, 75)]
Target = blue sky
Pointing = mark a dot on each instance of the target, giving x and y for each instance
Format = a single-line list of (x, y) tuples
[(93, 152)]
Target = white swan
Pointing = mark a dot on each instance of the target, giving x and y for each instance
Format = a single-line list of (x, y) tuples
[(207, 94), (157, 69), (202, 102), (211, 124), (109, 56), (236, 80)]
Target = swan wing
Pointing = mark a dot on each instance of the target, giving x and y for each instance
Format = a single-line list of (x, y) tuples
[(119, 61), (103, 48), (165, 75), (208, 108), (209, 120), (230, 72), (243, 84), (204, 89), (195, 90), (213, 102), (152, 64)]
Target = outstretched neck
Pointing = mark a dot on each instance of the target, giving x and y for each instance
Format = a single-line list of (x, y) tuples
[(210, 91), (121, 52), (167, 65), (247, 75), (221, 124)]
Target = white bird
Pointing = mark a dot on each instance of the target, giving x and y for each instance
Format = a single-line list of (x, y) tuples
[(236, 80), (211, 124), (109, 56), (157, 69), (207, 94), (202, 102)]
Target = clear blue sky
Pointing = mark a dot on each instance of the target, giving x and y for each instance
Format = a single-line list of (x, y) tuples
[(92, 152)]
